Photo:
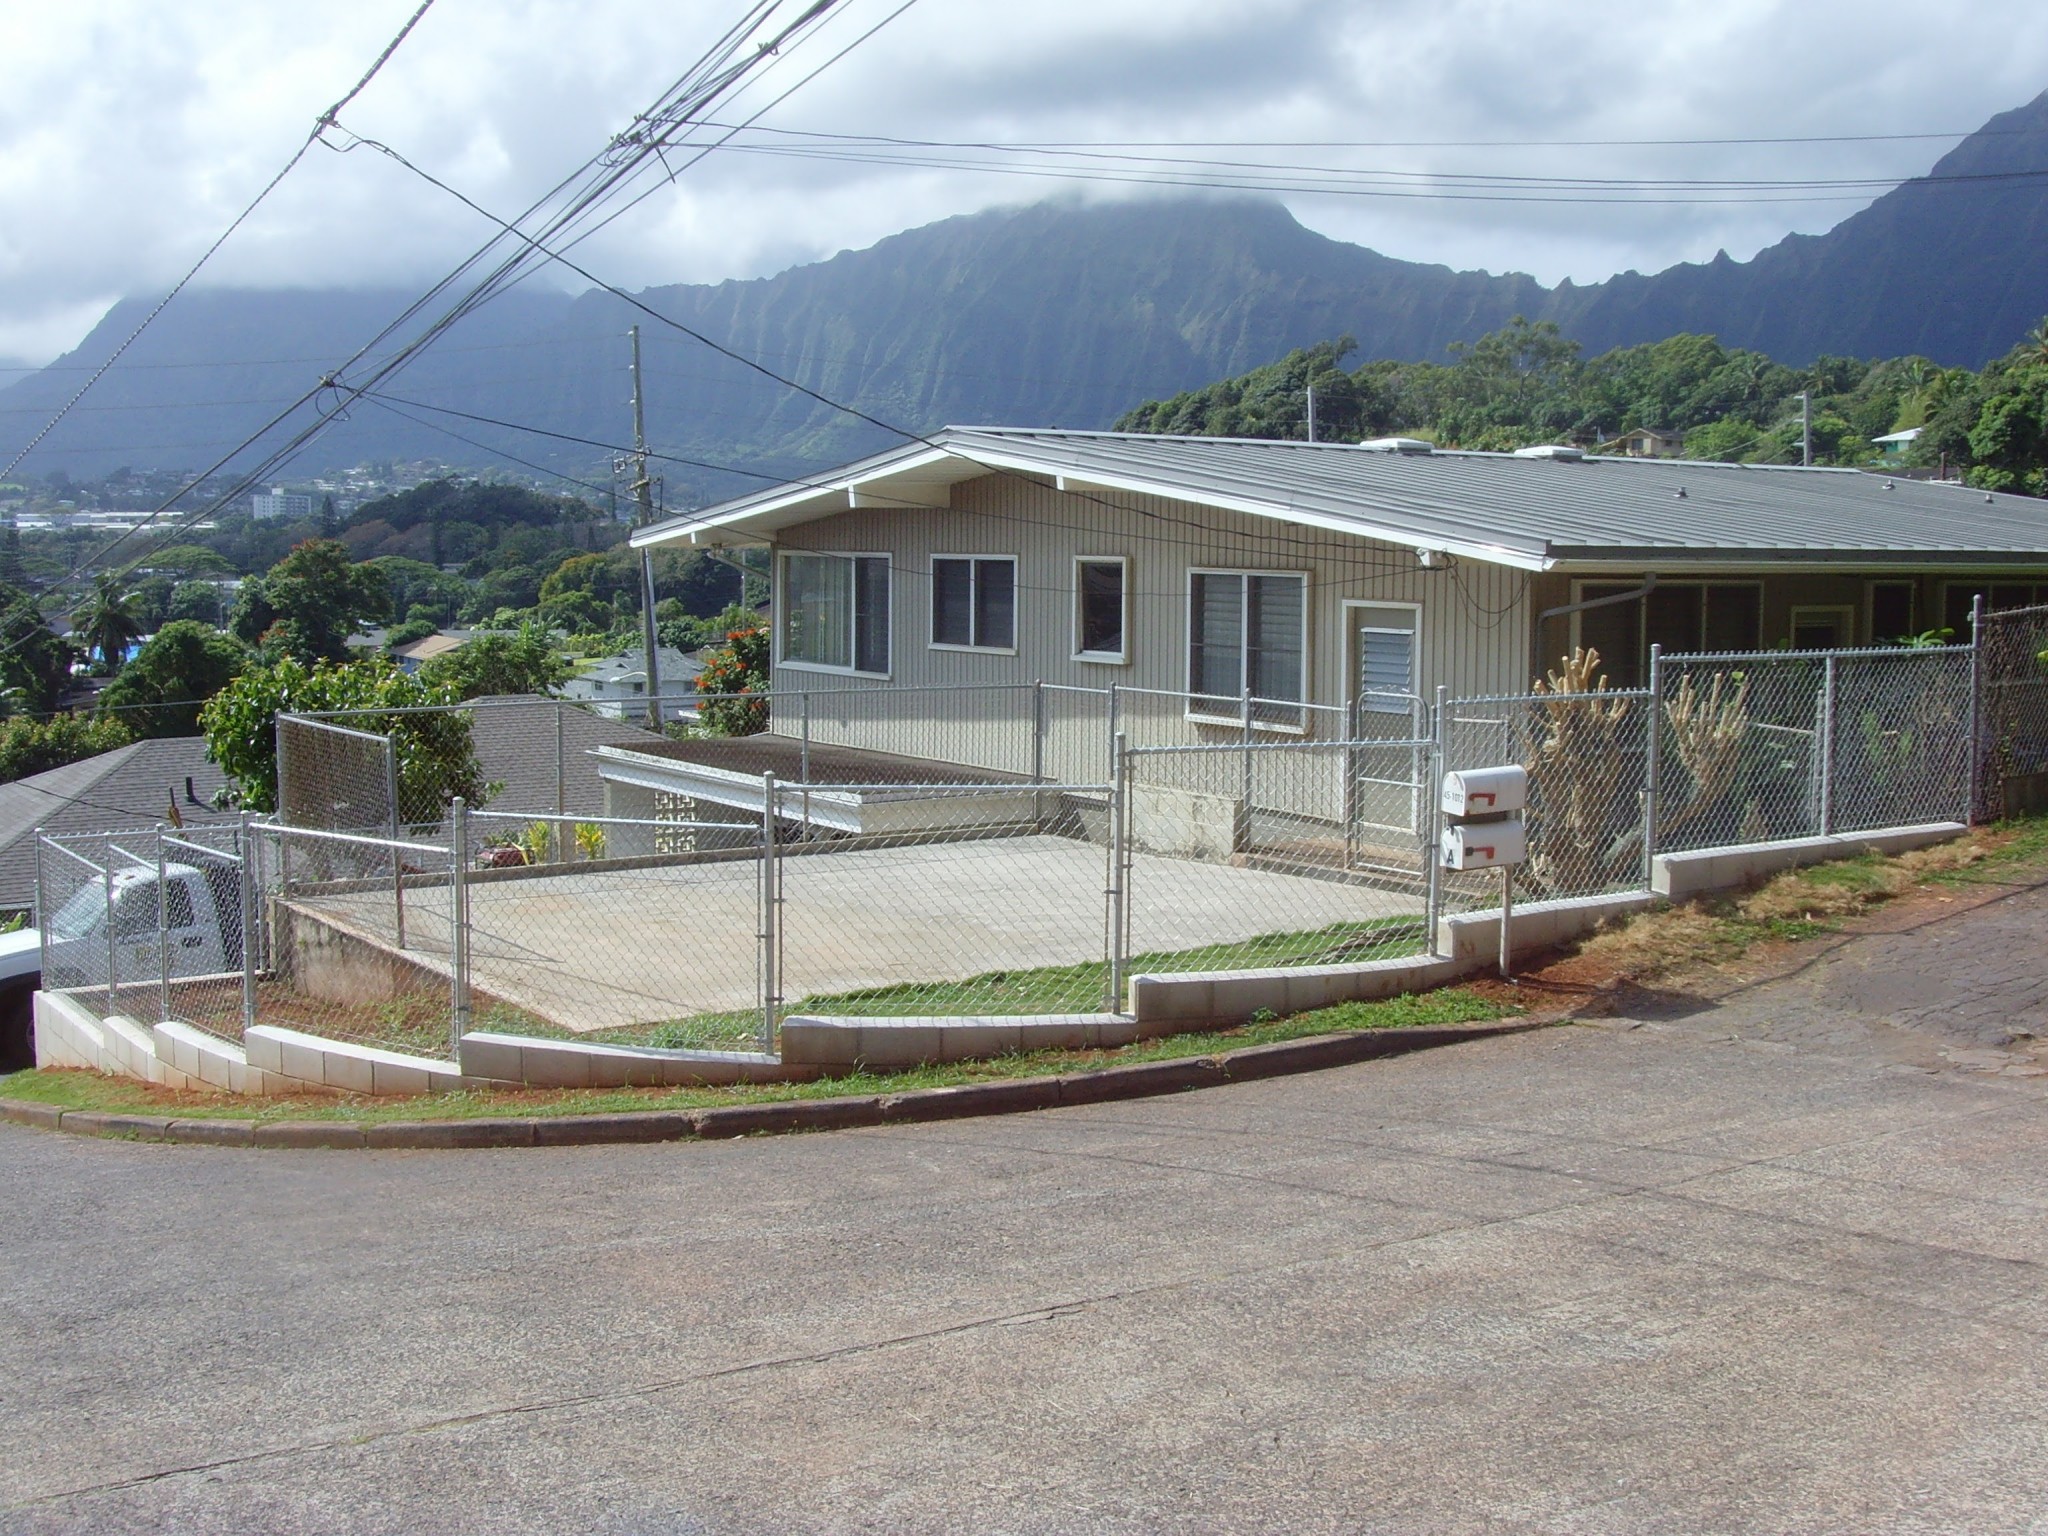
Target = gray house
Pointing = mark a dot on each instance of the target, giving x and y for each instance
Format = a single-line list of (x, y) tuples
[(1319, 589)]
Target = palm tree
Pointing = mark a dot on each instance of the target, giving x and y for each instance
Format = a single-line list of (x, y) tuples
[(106, 621)]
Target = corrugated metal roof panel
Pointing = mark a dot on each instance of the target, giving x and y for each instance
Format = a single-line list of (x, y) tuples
[(1534, 512)]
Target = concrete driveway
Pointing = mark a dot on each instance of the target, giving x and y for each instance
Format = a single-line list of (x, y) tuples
[(607, 947), (1772, 1265)]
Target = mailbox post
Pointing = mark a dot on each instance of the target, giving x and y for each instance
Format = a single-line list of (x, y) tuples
[(1484, 829)]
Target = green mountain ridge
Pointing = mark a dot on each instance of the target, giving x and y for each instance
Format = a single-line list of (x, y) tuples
[(1057, 314)]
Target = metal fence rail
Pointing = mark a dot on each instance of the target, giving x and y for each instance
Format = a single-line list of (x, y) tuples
[(1019, 850)]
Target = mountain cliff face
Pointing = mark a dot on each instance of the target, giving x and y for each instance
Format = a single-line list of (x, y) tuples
[(1054, 315)]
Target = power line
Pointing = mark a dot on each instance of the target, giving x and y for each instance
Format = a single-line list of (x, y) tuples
[(319, 125), (715, 74)]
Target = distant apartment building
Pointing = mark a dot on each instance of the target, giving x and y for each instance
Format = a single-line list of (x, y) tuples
[(278, 502)]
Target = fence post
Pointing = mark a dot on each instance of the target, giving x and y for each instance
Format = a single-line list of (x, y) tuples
[(1119, 868), (163, 932), (1430, 810), (397, 860), (248, 894), (1827, 745), (1114, 720), (458, 925), (1980, 755), (1653, 762), (41, 908), (771, 899), (565, 845), (107, 883), (1241, 830)]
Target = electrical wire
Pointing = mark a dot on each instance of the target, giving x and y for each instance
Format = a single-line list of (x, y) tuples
[(319, 126), (715, 74)]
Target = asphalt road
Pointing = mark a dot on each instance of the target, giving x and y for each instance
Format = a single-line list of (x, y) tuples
[(1770, 1265)]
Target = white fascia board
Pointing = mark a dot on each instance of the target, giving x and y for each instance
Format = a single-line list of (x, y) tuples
[(1471, 549), (770, 510)]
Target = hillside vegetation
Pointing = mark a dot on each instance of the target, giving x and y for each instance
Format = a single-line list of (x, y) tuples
[(1527, 384)]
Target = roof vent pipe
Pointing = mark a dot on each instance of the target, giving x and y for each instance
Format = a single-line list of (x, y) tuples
[(1397, 445)]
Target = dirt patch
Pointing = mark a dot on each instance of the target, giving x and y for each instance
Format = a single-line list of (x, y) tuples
[(1703, 950)]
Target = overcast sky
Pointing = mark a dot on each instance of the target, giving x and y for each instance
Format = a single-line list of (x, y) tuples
[(132, 131)]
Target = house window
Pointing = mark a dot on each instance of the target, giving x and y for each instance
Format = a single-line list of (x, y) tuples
[(974, 602), (1891, 611), (1247, 630), (1682, 617), (1100, 611), (835, 612), (1956, 595), (1823, 627)]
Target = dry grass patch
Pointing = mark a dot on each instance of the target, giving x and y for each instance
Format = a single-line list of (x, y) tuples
[(1802, 903)]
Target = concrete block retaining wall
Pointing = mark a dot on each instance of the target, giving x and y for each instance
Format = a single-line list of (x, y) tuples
[(286, 1061)]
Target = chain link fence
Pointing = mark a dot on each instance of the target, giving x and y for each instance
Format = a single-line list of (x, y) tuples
[(1587, 760), (1261, 854), (1761, 747), (1099, 834), (2012, 702)]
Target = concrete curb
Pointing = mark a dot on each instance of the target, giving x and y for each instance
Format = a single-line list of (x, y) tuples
[(1140, 1080)]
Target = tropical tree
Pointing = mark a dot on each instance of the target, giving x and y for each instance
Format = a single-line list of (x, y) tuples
[(182, 665), (528, 661), (29, 745), (107, 621), (436, 759), (309, 603)]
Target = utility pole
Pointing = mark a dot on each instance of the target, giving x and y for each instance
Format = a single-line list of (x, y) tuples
[(1806, 427), (643, 495), (1311, 413)]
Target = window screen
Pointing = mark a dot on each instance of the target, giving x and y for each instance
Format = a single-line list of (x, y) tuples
[(1891, 610), (836, 611), (1246, 632), (1099, 608), (974, 602), (1216, 662)]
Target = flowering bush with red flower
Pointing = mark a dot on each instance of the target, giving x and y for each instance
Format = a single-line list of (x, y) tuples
[(738, 667)]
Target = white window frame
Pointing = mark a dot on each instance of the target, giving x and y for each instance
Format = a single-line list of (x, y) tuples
[(1104, 658), (1352, 659), (781, 611), (1202, 717), (974, 582), (1843, 611)]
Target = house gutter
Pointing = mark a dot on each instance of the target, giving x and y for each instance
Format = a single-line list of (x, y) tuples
[(1563, 609), (1649, 583)]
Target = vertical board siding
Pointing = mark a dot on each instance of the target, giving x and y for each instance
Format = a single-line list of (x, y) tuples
[(1473, 637)]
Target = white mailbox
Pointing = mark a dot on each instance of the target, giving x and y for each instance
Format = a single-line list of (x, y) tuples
[(1485, 792), (1485, 844)]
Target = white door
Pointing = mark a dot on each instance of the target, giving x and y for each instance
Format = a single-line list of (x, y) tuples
[(1386, 707)]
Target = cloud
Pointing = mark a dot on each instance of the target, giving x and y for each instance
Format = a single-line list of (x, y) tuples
[(132, 131)]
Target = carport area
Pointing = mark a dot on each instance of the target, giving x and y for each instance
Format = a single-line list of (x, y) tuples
[(604, 947)]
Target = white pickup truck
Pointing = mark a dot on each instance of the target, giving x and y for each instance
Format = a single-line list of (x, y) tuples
[(198, 913)]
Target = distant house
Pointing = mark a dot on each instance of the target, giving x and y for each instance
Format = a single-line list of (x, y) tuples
[(134, 786), (1647, 443), (616, 686), (414, 653), (1894, 445)]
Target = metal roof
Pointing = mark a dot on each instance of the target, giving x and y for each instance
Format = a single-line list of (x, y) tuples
[(1530, 512), (129, 789)]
